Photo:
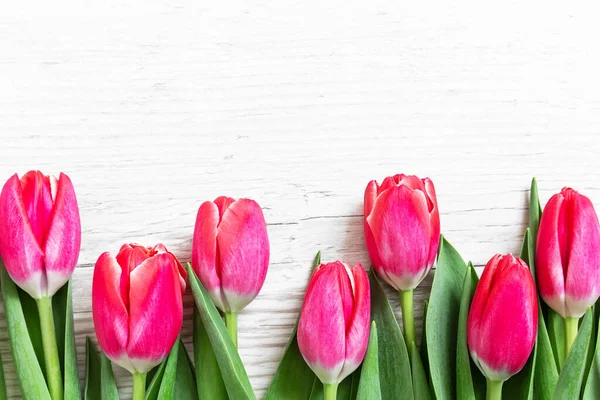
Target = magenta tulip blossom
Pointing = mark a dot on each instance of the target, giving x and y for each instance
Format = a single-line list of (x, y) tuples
[(40, 232), (137, 307), (503, 319), (230, 254), (402, 233), (334, 325)]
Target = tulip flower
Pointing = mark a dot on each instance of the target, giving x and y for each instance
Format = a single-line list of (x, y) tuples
[(40, 237), (230, 254), (333, 330), (568, 258), (502, 322), (402, 233), (137, 307)]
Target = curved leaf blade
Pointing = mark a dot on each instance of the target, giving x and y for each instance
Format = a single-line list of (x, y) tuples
[(72, 390), (209, 382), (394, 365), (29, 372), (368, 386), (442, 320), (233, 371), (420, 383), (93, 370)]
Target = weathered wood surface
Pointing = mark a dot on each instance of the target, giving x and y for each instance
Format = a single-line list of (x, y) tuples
[(152, 108)]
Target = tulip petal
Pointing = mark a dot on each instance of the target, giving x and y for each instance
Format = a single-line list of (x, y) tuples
[(370, 199), (205, 260), (155, 311), (401, 230), (110, 315), (583, 270), (64, 236), (21, 253), (37, 198), (321, 328), (549, 269), (434, 220), (244, 253), (223, 203), (357, 333)]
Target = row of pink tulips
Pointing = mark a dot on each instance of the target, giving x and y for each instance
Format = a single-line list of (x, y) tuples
[(137, 294)]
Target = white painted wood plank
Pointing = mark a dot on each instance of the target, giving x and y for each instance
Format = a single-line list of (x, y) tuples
[(153, 107)]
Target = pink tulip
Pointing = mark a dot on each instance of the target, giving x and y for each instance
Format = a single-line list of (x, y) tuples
[(230, 251), (402, 229), (503, 318), (568, 254), (40, 231), (333, 330), (137, 305)]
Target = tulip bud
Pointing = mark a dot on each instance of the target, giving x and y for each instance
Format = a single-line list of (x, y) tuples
[(40, 232), (503, 318), (230, 251), (333, 330), (402, 229), (568, 254), (137, 305)]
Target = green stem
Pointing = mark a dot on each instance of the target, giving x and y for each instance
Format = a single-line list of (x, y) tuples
[(571, 325), (139, 385), (231, 322), (53, 373), (330, 391), (408, 319), (494, 390)]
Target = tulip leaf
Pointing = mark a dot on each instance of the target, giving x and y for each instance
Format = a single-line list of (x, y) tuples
[(592, 384), (423, 350), (28, 369), (394, 365), (210, 385), (419, 378), (572, 375), (556, 333), (593, 343), (65, 336), (232, 370), (546, 369), (521, 385), (293, 380), (369, 387), (93, 383), (167, 384), (185, 384), (466, 371), (355, 382), (442, 320), (153, 387), (32, 319), (99, 378), (3, 394)]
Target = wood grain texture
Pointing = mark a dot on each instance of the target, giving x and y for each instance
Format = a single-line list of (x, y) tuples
[(153, 107)]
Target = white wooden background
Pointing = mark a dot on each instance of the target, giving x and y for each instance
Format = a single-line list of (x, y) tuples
[(153, 108)]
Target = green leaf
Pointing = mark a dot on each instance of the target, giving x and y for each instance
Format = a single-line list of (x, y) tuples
[(64, 308), (592, 385), (32, 319), (343, 391), (93, 370), (153, 387), (394, 365), (30, 375), (3, 394), (167, 384), (293, 380), (465, 388), (545, 370), (592, 346), (556, 333), (210, 385), (571, 376), (107, 379), (355, 382), (442, 320), (420, 383), (232, 370), (368, 387), (185, 384)]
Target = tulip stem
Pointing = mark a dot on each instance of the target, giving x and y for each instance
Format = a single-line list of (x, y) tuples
[(231, 322), (139, 385), (53, 373), (494, 390), (571, 326), (330, 391), (408, 319)]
